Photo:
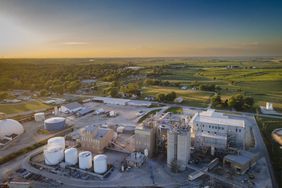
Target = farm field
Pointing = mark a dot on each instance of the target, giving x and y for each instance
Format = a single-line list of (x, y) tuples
[(22, 107), (191, 98), (259, 79)]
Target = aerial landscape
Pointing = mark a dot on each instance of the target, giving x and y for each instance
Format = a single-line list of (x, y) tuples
[(127, 93)]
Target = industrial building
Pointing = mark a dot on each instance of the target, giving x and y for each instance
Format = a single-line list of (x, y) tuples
[(214, 130), (145, 138), (71, 108), (241, 162), (110, 100), (95, 138)]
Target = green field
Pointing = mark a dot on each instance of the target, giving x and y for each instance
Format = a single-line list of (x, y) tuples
[(261, 79), (22, 107), (191, 98)]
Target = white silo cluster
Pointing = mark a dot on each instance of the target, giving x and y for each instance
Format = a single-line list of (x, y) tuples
[(55, 152), (85, 160)]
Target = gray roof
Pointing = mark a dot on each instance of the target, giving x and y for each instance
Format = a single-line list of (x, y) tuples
[(73, 105)]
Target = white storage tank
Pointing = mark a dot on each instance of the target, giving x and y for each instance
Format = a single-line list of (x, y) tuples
[(40, 116), (55, 123), (100, 164), (53, 154), (58, 141), (85, 160), (71, 157)]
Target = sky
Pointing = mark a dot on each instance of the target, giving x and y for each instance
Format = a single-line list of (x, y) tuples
[(140, 28)]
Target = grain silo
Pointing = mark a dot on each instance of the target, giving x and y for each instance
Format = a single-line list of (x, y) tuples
[(100, 164), (171, 147), (55, 123), (85, 160), (53, 154), (183, 149), (39, 117), (71, 156), (58, 141)]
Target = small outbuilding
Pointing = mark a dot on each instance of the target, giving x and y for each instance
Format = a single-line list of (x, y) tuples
[(242, 162)]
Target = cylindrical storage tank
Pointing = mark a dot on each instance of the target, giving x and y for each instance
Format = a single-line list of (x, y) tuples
[(100, 164), (53, 155), (40, 116), (55, 123), (85, 160), (58, 141), (171, 147), (71, 156)]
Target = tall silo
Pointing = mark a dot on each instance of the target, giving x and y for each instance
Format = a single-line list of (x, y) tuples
[(171, 147), (71, 156), (100, 164), (53, 154), (85, 160), (58, 141), (183, 149)]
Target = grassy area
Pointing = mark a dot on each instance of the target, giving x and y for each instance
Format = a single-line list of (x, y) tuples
[(191, 98), (153, 112), (22, 107), (21, 152), (267, 125), (175, 110)]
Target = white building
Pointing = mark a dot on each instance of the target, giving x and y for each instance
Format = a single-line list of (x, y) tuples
[(110, 100), (217, 131), (71, 107)]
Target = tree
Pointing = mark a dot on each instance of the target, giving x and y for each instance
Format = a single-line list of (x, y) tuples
[(43, 93), (114, 92), (4, 95), (161, 97), (216, 100)]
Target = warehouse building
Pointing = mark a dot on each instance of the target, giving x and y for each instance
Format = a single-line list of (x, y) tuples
[(95, 138), (217, 131), (71, 108), (110, 100)]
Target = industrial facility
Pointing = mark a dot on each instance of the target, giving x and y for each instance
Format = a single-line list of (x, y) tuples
[(216, 131)]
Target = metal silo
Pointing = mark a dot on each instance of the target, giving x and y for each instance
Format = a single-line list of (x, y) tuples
[(85, 160), (58, 141), (100, 164), (55, 123), (53, 154), (71, 156)]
